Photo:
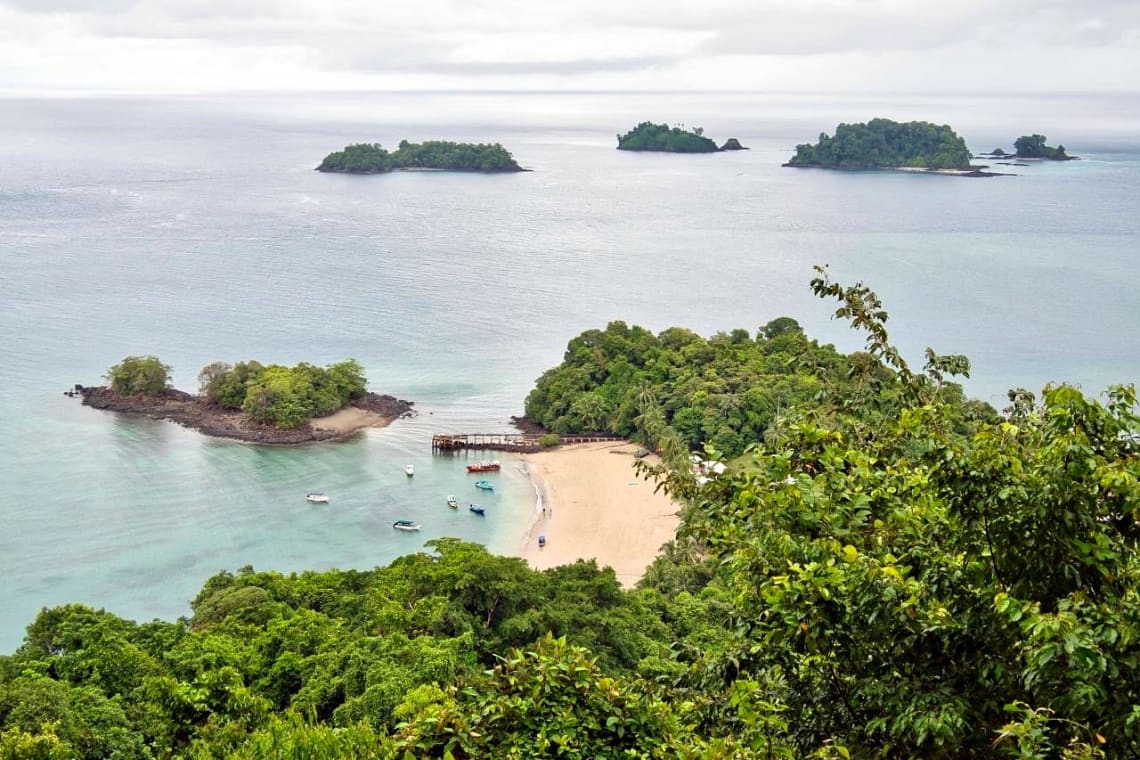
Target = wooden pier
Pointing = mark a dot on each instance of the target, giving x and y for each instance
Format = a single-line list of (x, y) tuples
[(522, 443)]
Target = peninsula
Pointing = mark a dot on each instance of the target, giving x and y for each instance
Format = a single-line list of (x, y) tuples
[(661, 138), (887, 144), (433, 155), (250, 402)]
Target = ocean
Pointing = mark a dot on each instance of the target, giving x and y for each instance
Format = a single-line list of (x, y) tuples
[(194, 229)]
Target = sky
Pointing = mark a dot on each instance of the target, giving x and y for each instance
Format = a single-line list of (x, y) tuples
[(780, 45)]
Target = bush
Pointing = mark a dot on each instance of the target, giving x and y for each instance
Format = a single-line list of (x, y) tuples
[(137, 375), (548, 440)]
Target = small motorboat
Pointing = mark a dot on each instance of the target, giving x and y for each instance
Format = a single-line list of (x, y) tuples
[(477, 509), (485, 466), (484, 485), (406, 525), (452, 502), (409, 470), (317, 498)]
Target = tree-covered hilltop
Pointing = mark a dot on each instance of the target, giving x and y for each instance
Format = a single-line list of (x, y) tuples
[(882, 143), (727, 391), (439, 155), (1033, 146), (884, 576), (648, 136)]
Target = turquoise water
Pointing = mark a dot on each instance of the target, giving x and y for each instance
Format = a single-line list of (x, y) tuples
[(196, 230)]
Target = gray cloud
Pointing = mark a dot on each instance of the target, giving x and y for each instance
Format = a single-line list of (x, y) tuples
[(637, 39)]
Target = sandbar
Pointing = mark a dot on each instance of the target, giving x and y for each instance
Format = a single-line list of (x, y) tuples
[(595, 506), (350, 420)]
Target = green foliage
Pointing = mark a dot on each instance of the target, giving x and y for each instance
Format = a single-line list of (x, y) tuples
[(882, 143), (433, 154), (648, 136), (139, 375), (362, 158), (548, 440), (680, 391), (283, 396), (1033, 146)]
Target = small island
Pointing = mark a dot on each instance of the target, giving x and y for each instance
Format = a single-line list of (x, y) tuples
[(661, 138), (432, 155), (887, 144), (1033, 146), (248, 401)]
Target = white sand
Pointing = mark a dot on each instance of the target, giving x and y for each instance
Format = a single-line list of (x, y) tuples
[(349, 420), (597, 508)]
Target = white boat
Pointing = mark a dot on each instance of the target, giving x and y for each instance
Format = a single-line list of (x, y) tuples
[(406, 525), (409, 470), (452, 502), (318, 498)]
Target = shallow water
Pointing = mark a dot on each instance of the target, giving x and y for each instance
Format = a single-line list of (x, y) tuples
[(194, 229)]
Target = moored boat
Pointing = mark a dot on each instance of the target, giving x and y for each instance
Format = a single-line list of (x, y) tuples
[(485, 485), (452, 502), (485, 466), (406, 525), (318, 498), (477, 509), (409, 470)]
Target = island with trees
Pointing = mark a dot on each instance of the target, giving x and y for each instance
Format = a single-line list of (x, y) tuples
[(887, 144), (887, 570), (1033, 146), (248, 401), (432, 155), (661, 138)]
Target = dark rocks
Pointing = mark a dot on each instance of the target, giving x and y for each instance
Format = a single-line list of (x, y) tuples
[(732, 144), (208, 419)]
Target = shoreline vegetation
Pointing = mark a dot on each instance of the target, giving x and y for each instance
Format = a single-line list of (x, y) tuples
[(432, 155), (648, 137), (251, 402)]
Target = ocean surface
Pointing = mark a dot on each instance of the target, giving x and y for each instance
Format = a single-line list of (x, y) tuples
[(194, 229)]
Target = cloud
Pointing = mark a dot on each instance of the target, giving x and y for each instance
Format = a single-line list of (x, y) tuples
[(788, 44)]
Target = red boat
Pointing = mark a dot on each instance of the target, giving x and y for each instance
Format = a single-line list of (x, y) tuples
[(485, 467)]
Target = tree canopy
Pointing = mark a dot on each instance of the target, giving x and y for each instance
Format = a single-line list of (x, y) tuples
[(139, 375), (286, 397), (432, 154), (883, 143), (1033, 146), (648, 136)]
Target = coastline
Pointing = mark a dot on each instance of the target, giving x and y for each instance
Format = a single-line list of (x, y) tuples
[(592, 505), (370, 411)]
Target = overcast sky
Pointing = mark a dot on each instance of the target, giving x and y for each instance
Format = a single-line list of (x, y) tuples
[(820, 45)]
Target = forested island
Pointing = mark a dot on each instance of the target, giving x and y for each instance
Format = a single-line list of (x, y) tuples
[(887, 144), (1033, 146), (249, 401), (662, 138), (432, 155), (888, 570)]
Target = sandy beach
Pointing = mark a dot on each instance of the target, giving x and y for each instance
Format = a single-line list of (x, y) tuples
[(596, 507), (349, 420)]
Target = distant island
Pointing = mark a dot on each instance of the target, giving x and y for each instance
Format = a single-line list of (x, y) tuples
[(887, 144), (662, 138), (248, 401), (433, 155), (1033, 146)]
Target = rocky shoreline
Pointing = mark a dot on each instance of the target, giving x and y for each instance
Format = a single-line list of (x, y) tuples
[(193, 412)]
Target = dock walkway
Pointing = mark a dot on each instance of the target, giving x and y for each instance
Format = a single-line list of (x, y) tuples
[(522, 443)]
